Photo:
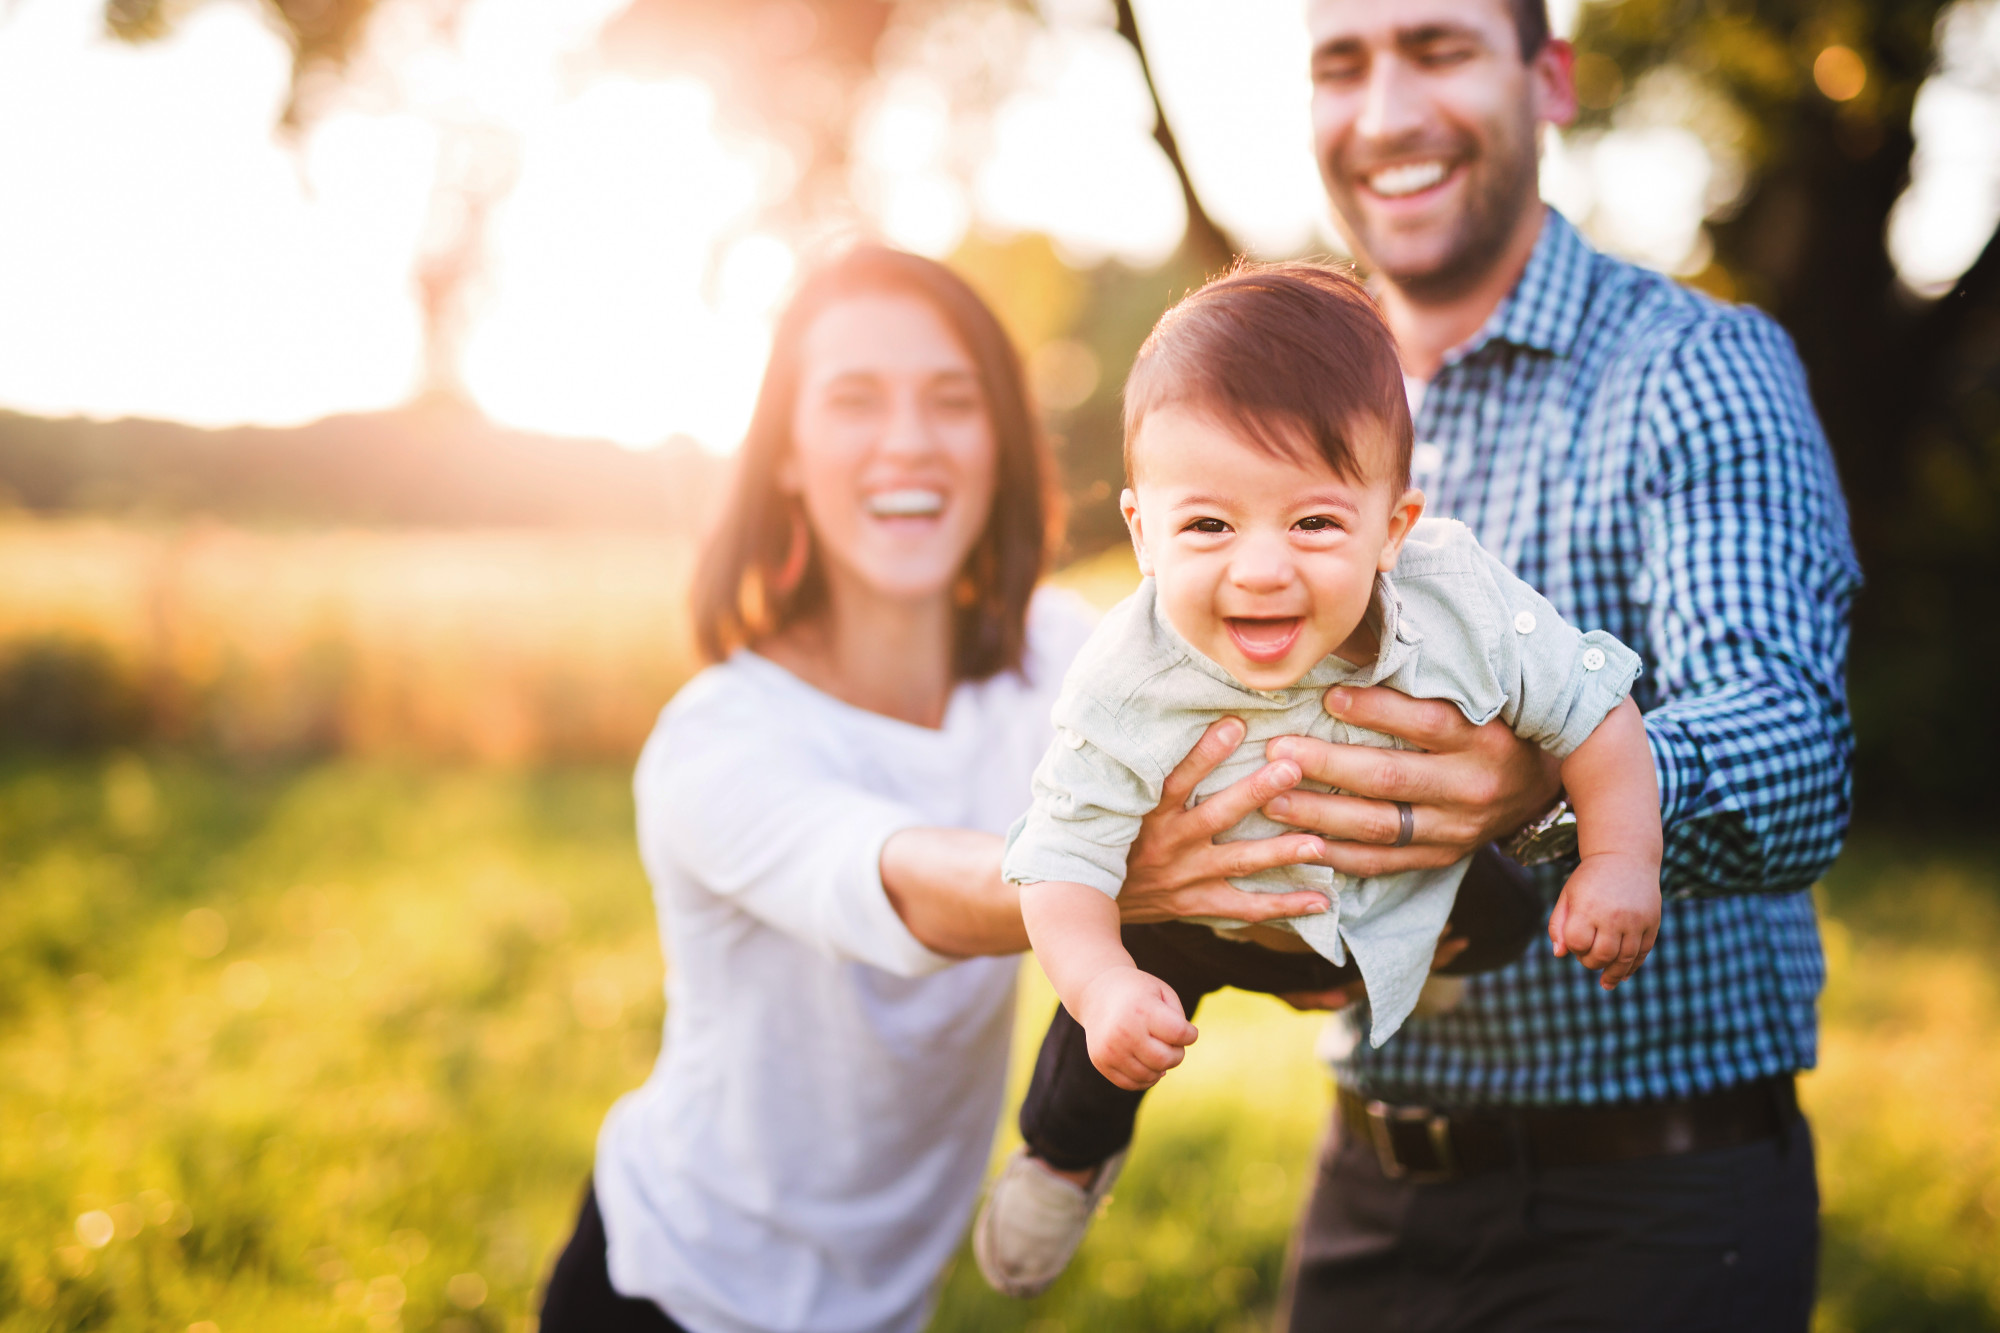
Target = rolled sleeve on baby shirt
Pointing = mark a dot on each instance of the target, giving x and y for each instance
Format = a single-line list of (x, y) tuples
[(1561, 682), (1087, 809)]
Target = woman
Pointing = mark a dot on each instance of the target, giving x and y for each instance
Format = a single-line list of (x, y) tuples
[(820, 813)]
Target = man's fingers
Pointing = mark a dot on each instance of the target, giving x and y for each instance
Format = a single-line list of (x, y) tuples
[(1226, 808), (1429, 724), (1367, 860), (1449, 947), (1235, 905), (1236, 860), (1216, 744), (1365, 770)]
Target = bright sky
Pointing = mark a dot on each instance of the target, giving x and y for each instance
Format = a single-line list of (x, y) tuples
[(167, 255)]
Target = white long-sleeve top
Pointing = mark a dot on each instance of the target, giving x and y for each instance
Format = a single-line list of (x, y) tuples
[(809, 1147)]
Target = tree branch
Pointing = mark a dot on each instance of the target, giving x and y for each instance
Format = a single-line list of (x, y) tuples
[(1210, 246)]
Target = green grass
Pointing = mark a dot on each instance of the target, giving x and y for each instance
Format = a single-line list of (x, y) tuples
[(327, 1049)]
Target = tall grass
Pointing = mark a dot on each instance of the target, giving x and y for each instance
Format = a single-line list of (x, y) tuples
[(327, 1047), (507, 646)]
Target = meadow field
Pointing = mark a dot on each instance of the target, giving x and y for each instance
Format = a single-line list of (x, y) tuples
[(325, 1047), (324, 947)]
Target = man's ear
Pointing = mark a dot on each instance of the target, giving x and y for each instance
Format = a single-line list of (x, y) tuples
[(1409, 508), (1128, 505), (1552, 82)]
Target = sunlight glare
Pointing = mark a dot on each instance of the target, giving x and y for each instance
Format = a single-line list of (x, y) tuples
[(1073, 154), (176, 260), (597, 322)]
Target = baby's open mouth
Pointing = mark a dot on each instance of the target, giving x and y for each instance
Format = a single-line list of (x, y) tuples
[(1265, 639)]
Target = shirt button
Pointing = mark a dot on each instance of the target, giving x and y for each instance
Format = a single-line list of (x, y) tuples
[(1593, 659), (1426, 458), (1524, 623), (1075, 742)]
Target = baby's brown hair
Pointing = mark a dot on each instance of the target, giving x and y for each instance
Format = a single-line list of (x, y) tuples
[(1295, 355)]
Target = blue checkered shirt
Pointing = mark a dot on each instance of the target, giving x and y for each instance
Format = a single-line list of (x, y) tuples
[(1650, 460)]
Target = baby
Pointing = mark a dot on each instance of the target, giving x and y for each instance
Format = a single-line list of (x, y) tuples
[(1267, 449)]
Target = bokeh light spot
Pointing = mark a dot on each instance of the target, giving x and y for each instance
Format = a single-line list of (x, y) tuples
[(1064, 374), (95, 1228), (466, 1290), (245, 984), (336, 953), (1840, 74), (204, 933)]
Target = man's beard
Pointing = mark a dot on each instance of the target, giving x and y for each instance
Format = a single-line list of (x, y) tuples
[(1480, 234)]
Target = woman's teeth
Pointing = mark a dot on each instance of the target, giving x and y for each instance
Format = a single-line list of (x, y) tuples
[(1406, 178), (911, 502)]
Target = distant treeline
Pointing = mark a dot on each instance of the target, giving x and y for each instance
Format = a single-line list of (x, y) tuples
[(428, 466)]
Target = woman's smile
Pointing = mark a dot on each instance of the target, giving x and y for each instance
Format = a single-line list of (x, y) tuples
[(906, 502)]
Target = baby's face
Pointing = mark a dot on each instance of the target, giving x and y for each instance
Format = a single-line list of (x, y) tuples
[(1264, 564)]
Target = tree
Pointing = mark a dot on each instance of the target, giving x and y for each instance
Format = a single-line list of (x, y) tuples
[(1812, 98), (1820, 95)]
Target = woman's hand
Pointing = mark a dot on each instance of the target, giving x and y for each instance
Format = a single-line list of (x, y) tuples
[(1466, 785), (1176, 868)]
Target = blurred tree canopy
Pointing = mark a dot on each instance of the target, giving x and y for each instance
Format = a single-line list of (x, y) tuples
[(1813, 99), (1807, 102)]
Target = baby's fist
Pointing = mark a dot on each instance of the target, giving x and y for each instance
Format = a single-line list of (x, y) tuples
[(1135, 1027), (1608, 915)]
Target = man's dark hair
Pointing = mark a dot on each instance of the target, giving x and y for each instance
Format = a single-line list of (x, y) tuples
[(1531, 25), (1295, 356)]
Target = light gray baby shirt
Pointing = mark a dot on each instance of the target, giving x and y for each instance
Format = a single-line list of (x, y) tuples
[(1453, 623)]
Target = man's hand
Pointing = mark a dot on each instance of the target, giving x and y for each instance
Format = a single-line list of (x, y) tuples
[(1609, 915), (1175, 867), (1465, 785), (1134, 1026)]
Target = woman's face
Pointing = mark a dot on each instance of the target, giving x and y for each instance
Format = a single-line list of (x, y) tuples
[(892, 446)]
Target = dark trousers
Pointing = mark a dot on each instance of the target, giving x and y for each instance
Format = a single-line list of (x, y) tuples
[(1074, 1117), (1725, 1241), (580, 1297)]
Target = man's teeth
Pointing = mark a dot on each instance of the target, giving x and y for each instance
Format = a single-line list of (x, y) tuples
[(1407, 178), (909, 503)]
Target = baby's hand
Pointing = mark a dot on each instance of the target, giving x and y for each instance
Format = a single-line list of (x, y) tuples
[(1135, 1027), (1608, 915)]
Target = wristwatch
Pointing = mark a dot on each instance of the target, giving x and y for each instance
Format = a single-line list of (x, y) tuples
[(1549, 838)]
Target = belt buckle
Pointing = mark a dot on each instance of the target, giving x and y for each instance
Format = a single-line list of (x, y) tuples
[(1437, 1127)]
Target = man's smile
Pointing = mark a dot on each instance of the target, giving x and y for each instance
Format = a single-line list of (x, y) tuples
[(1406, 178)]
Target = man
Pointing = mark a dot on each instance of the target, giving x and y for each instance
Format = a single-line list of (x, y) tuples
[(1547, 1155)]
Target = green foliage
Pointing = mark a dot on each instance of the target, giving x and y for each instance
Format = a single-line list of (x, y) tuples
[(327, 1048), (1807, 103), (60, 693)]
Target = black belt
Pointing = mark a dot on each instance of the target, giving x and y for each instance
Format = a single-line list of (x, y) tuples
[(1424, 1143)]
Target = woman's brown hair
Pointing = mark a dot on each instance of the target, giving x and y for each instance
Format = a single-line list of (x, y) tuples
[(740, 597)]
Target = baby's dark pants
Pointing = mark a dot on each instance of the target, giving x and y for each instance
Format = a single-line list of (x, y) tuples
[(1074, 1117)]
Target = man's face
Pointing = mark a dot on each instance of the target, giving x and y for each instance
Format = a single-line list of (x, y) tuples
[(1425, 121)]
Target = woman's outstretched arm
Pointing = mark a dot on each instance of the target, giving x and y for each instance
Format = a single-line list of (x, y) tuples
[(945, 883)]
